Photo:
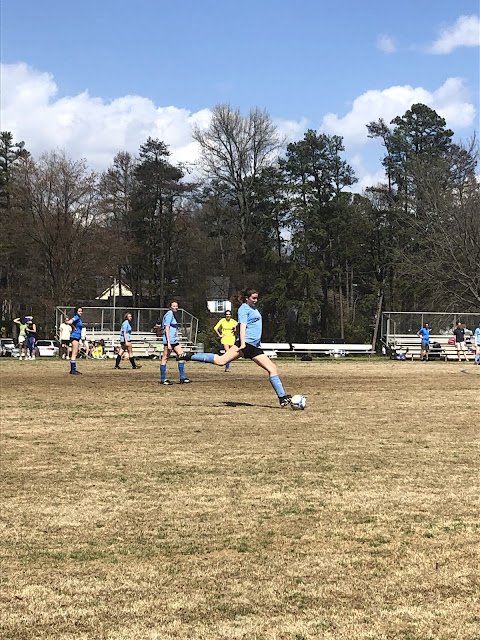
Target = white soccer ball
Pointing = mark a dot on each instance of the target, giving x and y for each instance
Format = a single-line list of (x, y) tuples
[(298, 402)]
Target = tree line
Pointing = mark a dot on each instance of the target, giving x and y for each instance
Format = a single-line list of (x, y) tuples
[(260, 212)]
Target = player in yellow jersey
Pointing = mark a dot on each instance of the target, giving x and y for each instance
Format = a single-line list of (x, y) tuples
[(226, 329)]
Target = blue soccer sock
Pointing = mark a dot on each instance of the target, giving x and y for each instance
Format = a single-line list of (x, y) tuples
[(163, 372), (208, 358), (227, 366), (277, 385), (181, 368), (73, 365)]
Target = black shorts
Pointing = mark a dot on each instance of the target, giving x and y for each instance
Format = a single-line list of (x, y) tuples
[(249, 351), (66, 342)]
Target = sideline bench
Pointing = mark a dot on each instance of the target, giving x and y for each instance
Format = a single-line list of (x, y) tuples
[(271, 349), (333, 349), (274, 349)]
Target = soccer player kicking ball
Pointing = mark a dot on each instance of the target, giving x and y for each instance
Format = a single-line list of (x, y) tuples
[(247, 346)]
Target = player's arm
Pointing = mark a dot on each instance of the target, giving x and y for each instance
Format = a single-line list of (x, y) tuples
[(243, 333), (167, 334), (216, 328), (17, 320)]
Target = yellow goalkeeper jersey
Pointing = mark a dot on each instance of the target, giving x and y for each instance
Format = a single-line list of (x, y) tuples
[(227, 329)]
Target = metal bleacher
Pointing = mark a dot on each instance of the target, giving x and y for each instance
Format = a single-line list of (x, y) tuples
[(103, 323), (399, 333)]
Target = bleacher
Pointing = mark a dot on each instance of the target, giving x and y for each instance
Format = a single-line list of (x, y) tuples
[(410, 345), (144, 344)]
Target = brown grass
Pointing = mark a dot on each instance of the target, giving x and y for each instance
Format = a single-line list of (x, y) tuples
[(134, 511)]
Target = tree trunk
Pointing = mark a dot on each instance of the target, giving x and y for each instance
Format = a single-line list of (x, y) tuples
[(377, 319)]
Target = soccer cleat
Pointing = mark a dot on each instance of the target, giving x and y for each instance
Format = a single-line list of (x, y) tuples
[(75, 373), (186, 356), (285, 401), (115, 367), (185, 381), (137, 366), (166, 382)]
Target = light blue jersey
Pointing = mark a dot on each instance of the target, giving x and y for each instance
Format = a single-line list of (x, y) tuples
[(76, 328), (126, 328), (169, 320), (251, 317), (477, 336)]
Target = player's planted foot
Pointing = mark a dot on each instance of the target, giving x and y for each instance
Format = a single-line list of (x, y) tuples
[(185, 381), (166, 382), (285, 401)]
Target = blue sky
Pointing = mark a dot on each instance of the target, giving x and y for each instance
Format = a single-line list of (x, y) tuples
[(99, 76)]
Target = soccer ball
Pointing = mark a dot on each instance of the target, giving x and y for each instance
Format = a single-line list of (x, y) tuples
[(298, 402)]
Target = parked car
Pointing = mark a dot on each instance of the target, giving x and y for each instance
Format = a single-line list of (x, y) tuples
[(7, 345), (47, 348)]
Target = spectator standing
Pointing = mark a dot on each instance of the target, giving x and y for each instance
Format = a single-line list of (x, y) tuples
[(22, 337), (424, 334), (64, 333), (459, 333), (31, 333)]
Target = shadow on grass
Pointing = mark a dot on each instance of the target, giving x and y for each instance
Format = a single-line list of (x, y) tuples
[(475, 372), (247, 404), (238, 404)]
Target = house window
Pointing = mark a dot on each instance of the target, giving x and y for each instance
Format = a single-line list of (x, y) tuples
[(220, 306)]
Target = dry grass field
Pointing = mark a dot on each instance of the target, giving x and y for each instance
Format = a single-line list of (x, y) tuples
[(132, 511)]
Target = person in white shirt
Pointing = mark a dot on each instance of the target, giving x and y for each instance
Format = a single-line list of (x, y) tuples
[(64, 332)]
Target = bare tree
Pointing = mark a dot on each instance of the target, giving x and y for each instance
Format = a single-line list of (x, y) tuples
[(56, 202), (234, 150)]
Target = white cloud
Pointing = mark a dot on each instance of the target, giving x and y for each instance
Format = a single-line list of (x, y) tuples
[(450, 101), (291, 130), (464, 33), (365, 176), (386, 44), (88, 127)]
